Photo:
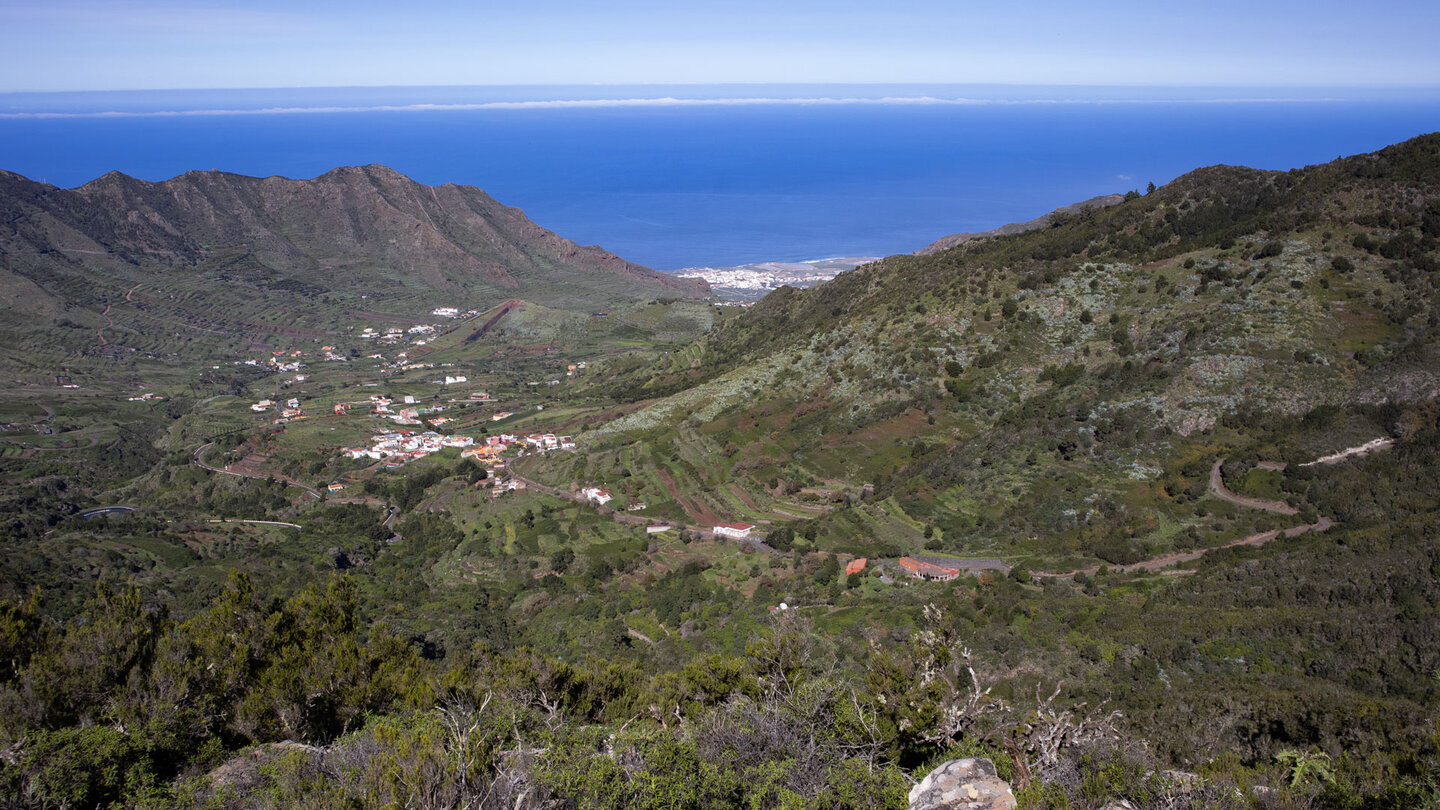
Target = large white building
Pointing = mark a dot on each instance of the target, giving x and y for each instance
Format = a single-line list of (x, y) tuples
[(735, 531)]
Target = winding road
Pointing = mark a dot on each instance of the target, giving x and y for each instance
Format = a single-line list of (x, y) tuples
[(109, 321), (202, 465), (1218, 489)]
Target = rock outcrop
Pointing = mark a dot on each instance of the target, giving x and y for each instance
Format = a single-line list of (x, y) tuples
[(963, 784)]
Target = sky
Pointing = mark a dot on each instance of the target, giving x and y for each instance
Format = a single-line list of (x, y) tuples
[(61, 45)]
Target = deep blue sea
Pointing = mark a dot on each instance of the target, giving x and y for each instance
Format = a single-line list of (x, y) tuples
[(718, 180)]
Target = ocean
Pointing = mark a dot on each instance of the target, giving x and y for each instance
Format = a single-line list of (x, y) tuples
[(688, 176)]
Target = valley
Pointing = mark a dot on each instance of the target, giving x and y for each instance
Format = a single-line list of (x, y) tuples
[(412, 456)]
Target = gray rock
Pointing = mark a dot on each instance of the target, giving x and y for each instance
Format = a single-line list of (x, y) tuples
[(963, 784)]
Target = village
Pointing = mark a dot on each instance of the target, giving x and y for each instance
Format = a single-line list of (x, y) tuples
[(407, 443)]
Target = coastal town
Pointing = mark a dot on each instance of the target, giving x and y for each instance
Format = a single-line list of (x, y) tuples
[(750, 282)]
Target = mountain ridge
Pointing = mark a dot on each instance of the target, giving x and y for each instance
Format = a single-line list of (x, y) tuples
[(454, 238)]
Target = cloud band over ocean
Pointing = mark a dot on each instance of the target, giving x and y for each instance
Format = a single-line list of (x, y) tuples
[(564, 104)]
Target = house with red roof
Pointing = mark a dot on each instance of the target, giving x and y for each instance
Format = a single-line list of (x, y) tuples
[(735, 531), (928, 570)]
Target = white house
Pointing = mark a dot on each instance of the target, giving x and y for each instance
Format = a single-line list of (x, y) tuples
[(735, 531), (596, 495)]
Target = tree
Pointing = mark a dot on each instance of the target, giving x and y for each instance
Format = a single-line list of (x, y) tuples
[(1050, 730), (561, 559), (948, 675)]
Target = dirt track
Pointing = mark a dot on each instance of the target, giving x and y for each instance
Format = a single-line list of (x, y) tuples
[(1217, 488), (1177, 557)]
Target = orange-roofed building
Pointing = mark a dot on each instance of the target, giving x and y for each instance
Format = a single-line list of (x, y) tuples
[(930, 571), (855, 566)]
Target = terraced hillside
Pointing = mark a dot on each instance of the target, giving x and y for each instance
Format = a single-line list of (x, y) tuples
[(1058, 395)]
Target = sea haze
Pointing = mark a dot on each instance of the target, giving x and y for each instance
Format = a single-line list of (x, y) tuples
[(685, 176)]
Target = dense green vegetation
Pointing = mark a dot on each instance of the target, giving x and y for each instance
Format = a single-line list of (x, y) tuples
[(1055, 400)]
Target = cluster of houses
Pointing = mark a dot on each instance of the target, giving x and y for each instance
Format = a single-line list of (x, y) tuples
[(543, 442), (291, 410), (400, 446), (280, 361), (453, 312), (409, 414), (500, 487), (490, 451), (402, 362), (393, 335)]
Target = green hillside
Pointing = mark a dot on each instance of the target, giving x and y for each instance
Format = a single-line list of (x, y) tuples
[(1180, 451), (1059, 395)]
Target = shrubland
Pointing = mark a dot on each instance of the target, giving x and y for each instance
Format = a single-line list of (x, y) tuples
[(1057, 400)]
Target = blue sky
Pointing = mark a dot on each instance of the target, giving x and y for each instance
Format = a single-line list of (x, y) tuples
[(48, 45)]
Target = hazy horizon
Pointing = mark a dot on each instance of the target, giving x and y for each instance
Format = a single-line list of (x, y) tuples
[(433, 98), (106, 45)]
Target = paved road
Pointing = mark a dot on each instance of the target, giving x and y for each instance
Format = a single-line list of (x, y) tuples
[(106, 510), (196, 458), (260, 522)]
